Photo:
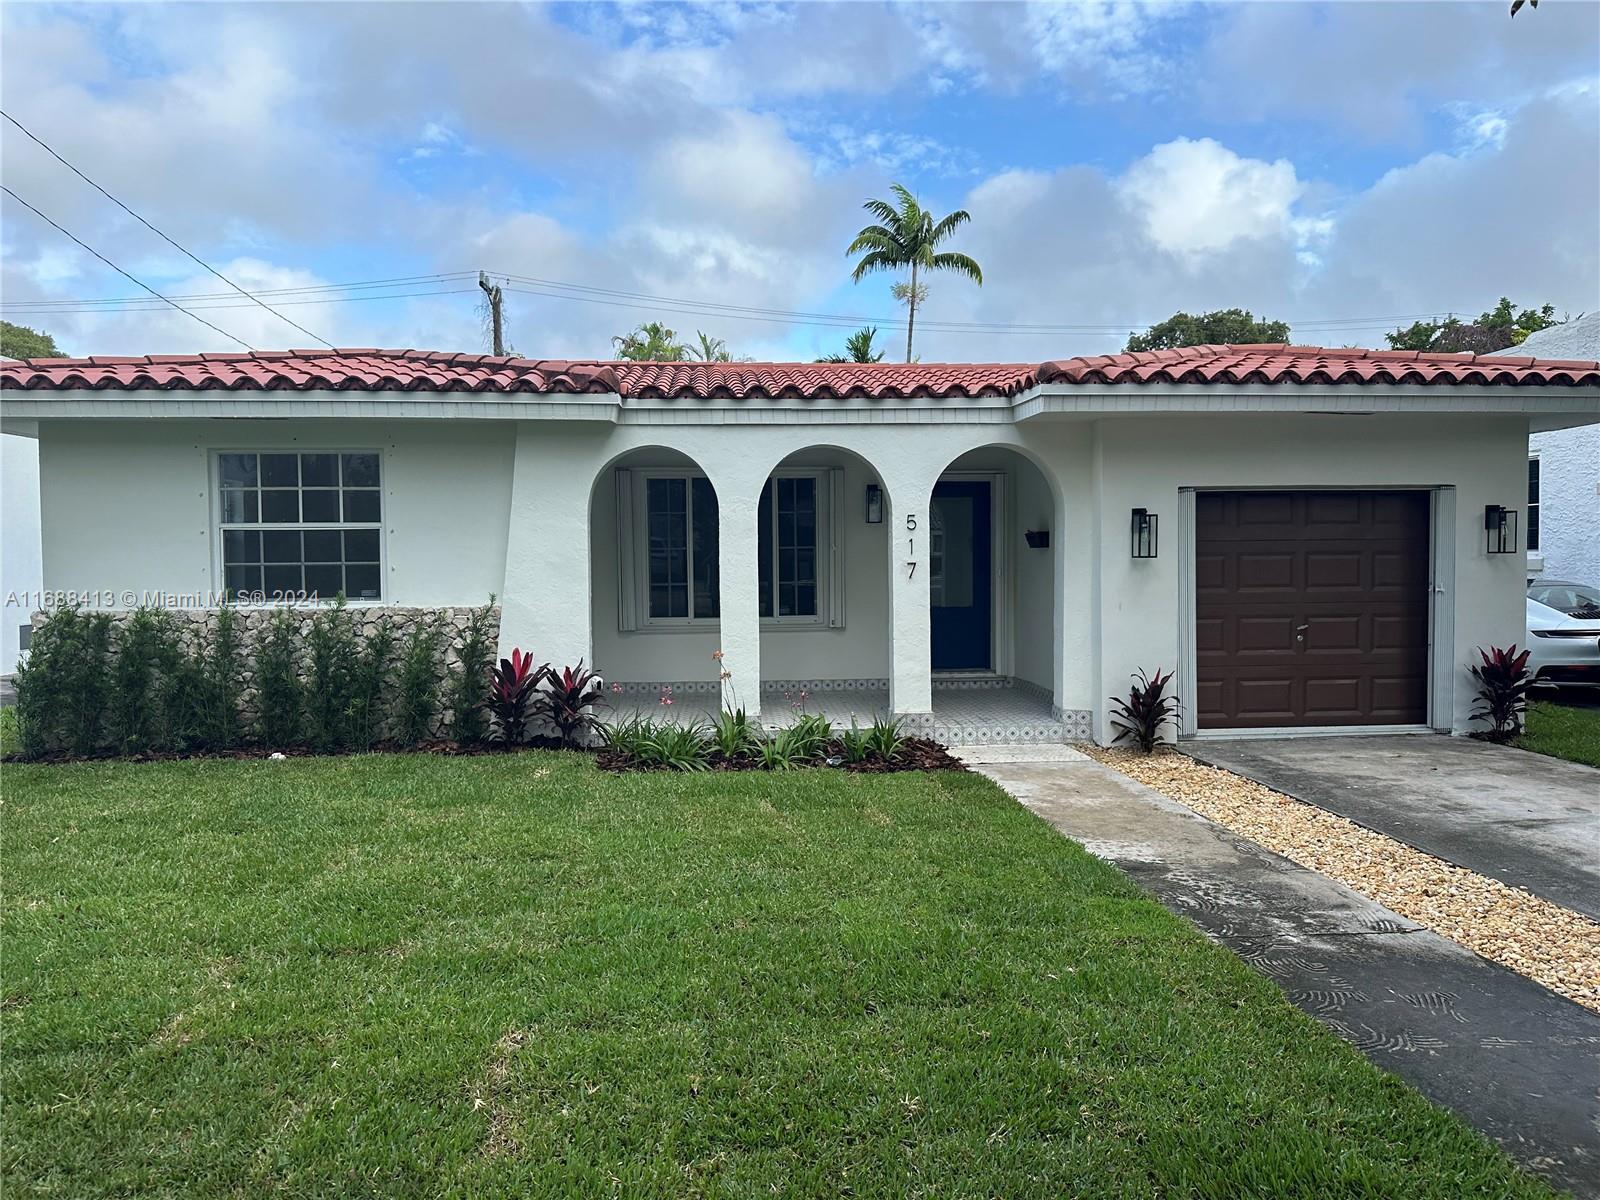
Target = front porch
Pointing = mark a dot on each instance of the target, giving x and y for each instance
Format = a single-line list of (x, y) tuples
[(965, 711)]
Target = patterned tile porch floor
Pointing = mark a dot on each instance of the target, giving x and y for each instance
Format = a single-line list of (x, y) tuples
[(962, 715)]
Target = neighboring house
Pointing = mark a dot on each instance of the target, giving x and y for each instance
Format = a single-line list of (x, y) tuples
[(20, 575), (988, 549), (1564, 472)]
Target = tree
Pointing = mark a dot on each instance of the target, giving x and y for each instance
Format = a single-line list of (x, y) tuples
[(651, 342), (858, 348), (1499, 328), (1225, 327), (18, 341), (907, 236), (710, 349)]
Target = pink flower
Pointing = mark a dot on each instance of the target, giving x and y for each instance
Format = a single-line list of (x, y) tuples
[(717, 654), (727, 675), (616, 689)]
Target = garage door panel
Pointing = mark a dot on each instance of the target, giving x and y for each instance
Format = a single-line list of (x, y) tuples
[(1266, 572), (1348, 571)]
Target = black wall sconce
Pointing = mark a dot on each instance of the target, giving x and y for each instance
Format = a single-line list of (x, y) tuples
[(1500, 529), (1144, 533), (1038, 539), (874, 504)]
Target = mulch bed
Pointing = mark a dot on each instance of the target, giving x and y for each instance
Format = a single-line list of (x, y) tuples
[(241, 753), (916, 754)]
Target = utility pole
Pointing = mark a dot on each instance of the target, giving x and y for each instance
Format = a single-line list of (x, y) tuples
[(495, 299)]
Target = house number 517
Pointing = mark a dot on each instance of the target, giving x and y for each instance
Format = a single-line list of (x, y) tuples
[(911, 546)]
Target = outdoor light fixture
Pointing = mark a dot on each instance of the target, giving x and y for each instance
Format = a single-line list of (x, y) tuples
[(1038, 539), (874, 504), (1500, 529), (1144, 533)]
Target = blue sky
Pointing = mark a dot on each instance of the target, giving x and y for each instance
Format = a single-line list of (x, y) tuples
[(1332, 165)]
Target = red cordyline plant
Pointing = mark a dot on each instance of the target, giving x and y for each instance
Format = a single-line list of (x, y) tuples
[(1503, 683), (511, 690), (1145, 711), (568, 700)]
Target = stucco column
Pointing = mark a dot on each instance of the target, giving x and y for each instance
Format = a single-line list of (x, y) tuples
[(545, 603), (910, 638), (738, 497)]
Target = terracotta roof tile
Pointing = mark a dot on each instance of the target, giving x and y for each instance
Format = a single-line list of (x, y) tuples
[(369, 370)]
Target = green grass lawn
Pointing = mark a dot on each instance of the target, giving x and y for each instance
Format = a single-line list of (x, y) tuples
[(1563, 731), (425, 976)]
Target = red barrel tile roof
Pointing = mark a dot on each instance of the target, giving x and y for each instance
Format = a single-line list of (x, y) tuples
[(433, 371)]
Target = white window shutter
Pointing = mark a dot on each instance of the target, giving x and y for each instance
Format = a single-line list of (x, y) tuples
[(836, 509)]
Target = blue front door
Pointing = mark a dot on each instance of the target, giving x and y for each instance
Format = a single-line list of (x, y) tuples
[(959, 577)]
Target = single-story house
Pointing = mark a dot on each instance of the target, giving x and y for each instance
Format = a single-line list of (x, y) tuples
[(1564, 472), (1311, 539)]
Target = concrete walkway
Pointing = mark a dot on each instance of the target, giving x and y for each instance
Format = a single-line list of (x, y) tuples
[(1526, 819), (1518, 1062)]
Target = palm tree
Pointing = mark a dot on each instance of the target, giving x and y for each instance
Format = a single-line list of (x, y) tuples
[(858, 348), (906, 236), (651, 342), (710, 349)]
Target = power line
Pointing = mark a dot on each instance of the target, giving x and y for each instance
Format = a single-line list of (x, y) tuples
[(358, 285), (53, 154), (143, 304), (141, 283)]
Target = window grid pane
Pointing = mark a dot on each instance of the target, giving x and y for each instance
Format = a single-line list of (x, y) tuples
[(797, 546), (1533, 504), (666, 502), (279, 498)]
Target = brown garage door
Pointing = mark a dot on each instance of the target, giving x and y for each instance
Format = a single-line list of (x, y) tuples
[(1311, 608)]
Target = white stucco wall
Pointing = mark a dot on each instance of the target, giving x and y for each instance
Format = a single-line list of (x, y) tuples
[(473, 507), (19, 539), (1569, 504), (1143, 462), (129, 504)]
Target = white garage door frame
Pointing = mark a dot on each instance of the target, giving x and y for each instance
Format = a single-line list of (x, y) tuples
[(1441, 617)]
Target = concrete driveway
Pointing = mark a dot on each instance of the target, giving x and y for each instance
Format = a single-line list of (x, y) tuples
[(1525, 819)]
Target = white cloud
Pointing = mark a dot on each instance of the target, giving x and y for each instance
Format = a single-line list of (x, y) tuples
[(1199, 197)]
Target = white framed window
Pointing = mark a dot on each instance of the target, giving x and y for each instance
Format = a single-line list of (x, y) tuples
[(1533, 504), (297, 523), (670, 572)]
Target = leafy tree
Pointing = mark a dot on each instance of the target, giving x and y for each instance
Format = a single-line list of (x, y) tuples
[(651, 342), (710, 349), (858, 348), (906, 235), (18, 341), (1501, 327), (1225, 327)]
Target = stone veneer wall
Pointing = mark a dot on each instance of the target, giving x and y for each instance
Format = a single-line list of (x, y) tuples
[(195, 625)]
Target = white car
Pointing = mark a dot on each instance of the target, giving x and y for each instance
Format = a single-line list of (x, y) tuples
[(1564, 633)]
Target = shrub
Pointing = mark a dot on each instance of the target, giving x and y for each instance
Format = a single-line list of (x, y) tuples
[(332, 657), (811, 735), (218, 665), (1503, 682), (660, 743), (1146, 709), (884, 739), (784, 750), (855, 742), (368, 682), (417, 686), (279, 696), (147, 684), (568, 701), (732, 734), (511, 692), (475, 659), (677, 747), (64, 687)]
